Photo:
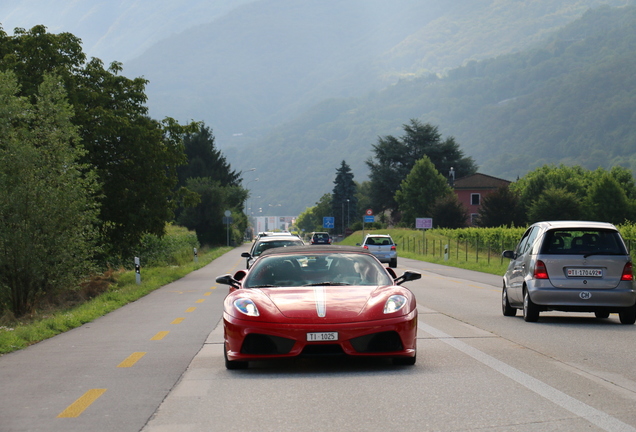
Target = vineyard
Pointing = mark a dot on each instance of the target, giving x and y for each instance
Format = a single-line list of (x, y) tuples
[(472, 248)]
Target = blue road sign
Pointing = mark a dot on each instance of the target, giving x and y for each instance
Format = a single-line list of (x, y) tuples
[(369, 219), (328, 222)]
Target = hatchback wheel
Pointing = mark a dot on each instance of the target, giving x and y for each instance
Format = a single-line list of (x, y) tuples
[(628, 315), (393, 263), (505, 304), (530, 310)]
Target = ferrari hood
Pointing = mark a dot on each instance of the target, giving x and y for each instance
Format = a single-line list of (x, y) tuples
[(329, 302)]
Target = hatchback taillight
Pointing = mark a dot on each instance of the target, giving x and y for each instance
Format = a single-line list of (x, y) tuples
[(393, 248), (540, 272), (628, 273)]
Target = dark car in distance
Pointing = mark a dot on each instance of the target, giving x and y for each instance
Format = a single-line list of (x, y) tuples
[(320, 238)]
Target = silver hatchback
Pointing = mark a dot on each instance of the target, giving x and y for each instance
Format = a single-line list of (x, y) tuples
[(570, 266)]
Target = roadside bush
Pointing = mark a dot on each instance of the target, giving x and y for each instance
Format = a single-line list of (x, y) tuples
[(174, 248)]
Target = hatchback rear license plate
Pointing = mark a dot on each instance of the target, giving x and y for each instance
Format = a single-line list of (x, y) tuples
[(322, 336), (585, 272)]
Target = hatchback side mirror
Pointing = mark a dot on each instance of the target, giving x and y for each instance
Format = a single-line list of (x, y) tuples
[(509, 254)]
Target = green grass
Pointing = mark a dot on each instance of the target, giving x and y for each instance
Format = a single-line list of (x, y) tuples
[(413, 244), (24, 332)]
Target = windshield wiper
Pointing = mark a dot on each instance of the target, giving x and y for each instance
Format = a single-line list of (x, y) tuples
[(599, 253)]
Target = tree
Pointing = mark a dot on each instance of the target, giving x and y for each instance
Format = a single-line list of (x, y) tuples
[(134, 156), (596, 195), (205, 160), (209, 187), (501, 208), (206, 218), (311, 219), (419, 191), (555, 204), (47, 205), (343, 199), (574, 180), (448, 212), (395, 158), (607, 201)]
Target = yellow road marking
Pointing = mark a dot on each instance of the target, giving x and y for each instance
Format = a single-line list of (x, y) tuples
[(78, 407), (160, 335), (214, 287), (177, 321), (200, 301), (190, 309), (131, 360), (207, 293)]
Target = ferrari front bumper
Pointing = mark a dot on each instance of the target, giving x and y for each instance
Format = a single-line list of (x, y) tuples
[(253, 340)]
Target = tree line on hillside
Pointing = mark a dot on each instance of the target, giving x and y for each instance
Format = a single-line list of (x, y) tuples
[(85, 173), (406, 183)]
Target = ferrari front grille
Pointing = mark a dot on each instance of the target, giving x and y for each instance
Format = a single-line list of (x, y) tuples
[(261, 344), (322, 350)]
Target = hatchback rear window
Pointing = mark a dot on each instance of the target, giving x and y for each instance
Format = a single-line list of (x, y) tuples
[(379, 241), (579, 241)]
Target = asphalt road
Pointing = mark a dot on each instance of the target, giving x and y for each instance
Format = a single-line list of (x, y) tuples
[(476, 371)]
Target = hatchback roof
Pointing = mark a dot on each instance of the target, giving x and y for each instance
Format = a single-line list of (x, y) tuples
[(576, 224)]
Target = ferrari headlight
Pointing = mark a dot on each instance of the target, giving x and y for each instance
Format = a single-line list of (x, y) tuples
[(246, 306), (394, 303)]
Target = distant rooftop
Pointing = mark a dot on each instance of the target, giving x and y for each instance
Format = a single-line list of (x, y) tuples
[(480, 181)]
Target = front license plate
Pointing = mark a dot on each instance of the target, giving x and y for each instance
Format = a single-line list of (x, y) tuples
[(322, 336), (585, 272)]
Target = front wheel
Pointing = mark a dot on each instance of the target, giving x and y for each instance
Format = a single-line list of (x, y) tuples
[(628, 315), (505, 304), (530, 310)]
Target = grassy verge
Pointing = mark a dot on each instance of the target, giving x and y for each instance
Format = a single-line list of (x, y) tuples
[(426, 247), (123, 290)]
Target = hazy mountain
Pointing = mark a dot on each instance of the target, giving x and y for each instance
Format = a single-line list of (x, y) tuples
[(113, 29), (571, 99)]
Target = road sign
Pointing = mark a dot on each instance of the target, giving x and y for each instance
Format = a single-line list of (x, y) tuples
[(369, 212), (328, 222), (423, 223), (369, 219)]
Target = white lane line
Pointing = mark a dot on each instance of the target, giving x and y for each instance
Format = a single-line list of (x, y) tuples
[(576, 407)]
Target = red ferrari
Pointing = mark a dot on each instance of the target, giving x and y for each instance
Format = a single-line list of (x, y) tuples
[(318, 300)]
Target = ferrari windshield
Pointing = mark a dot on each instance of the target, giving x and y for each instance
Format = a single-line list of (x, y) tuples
[(316, 270)]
